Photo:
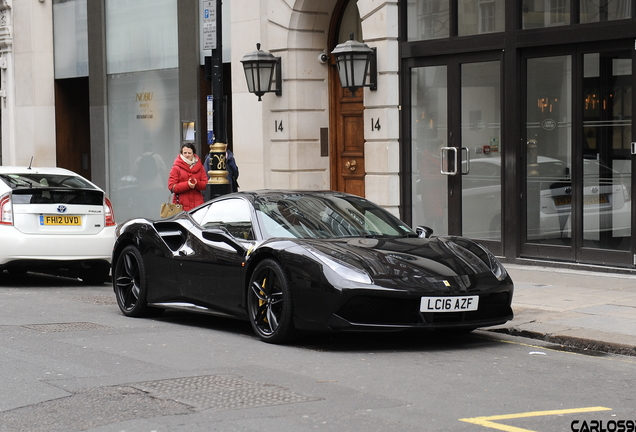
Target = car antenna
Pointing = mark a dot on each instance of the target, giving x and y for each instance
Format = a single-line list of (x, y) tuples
[(30, 163)]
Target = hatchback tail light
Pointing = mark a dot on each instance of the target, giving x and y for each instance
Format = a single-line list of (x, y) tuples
[(109, 213), (6, 210)]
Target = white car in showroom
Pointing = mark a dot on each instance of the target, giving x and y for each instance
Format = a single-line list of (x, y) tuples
[(606, 200), (53, 220)]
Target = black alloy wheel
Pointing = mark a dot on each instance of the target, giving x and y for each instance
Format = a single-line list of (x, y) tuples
[(269, 303), (129, 283)]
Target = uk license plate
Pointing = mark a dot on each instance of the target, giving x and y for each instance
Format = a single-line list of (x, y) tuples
[(449, 304), (587, 200), (56, 220)]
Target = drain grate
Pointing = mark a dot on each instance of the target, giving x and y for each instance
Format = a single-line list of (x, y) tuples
[(221, 392), (65, 327)]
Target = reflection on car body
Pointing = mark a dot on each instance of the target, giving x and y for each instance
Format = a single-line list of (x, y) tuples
[(606, 197)]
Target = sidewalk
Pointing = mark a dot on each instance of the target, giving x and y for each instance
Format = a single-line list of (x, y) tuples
[(581, 309)]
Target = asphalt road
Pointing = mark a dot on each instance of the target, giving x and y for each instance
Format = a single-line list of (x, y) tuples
[(71, 362)]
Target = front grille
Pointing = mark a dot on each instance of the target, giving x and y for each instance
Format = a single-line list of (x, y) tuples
[(491, 306), (380, 310), (391, 311)]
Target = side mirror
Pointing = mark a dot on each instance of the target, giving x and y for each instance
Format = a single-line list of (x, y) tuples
[(221, 236), (424, 231)]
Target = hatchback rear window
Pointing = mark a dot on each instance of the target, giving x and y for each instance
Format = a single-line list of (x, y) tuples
[(52, 189), (57, 196)]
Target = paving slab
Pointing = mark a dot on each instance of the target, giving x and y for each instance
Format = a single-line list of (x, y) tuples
[(584, 309)]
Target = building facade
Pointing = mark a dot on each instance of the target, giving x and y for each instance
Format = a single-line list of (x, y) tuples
[(27, 102), (506, 122)]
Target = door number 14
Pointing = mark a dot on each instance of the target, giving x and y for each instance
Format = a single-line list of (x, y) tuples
[(375, 124)]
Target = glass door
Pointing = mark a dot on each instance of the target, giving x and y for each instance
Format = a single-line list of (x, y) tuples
[(606, 140), (482, 146), (578, 156), (549, 150), (456, 148), (429, 135)]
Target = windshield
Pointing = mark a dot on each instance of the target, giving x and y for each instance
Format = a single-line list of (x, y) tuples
[(326, 216)]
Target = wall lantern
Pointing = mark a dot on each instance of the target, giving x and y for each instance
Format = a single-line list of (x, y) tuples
[(355, 61), (261, 69)]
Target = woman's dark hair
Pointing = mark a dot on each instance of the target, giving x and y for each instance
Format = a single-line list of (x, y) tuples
[(190, 146)]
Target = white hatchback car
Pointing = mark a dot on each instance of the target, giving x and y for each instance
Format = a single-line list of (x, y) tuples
[(55, 221)]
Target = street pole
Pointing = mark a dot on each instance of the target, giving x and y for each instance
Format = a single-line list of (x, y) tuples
[(218, 183)]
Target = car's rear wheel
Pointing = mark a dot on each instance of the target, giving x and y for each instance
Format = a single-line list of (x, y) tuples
[(130, 283), (269, 303)]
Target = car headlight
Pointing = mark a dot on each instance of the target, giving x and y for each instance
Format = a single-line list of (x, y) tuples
[(496, 267), (344, 270)]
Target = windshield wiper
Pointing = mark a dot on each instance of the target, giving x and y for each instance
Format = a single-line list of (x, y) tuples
[(409, 235)]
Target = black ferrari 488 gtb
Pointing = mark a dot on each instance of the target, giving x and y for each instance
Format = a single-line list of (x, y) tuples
[(292, 261)]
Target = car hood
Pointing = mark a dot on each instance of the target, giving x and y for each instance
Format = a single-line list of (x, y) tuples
[(408, 261)]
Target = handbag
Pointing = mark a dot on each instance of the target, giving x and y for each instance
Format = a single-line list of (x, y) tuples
[(169, 208)]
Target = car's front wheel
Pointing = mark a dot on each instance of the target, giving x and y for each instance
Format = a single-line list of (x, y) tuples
[(129, 283), (269, 303)]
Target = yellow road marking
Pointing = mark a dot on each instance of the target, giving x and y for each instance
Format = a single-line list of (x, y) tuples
[(488, 421)]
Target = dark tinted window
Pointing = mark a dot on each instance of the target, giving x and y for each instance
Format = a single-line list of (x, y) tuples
[(58, 196), (38, 188), (232, 215)]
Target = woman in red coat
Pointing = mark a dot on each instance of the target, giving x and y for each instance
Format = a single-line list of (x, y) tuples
[(187, 178)]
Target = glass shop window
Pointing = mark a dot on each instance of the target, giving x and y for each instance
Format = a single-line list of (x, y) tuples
[(481, 16), (545, 13), (604, 10)]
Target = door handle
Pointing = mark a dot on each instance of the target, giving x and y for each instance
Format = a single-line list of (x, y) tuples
[(351, 165), (448, 160), (453, 162), (465, 151)]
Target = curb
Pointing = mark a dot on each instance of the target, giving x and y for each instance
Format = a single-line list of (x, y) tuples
[(571, 341)]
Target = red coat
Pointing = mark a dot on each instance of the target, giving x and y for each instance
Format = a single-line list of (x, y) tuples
[(180, 173)]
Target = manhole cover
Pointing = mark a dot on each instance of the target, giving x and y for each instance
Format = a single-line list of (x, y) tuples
[(65, 327), (221, 392)]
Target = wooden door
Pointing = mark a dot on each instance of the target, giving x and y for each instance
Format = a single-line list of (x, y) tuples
[(346, 137), (72, 126)]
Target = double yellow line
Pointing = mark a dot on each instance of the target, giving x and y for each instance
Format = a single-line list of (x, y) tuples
[(489, 422)]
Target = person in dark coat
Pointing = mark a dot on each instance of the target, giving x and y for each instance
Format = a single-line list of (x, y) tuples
[(187, 178), (230, 166)]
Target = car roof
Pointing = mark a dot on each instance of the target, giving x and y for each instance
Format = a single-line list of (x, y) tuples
[(7, 169), (287, 193)]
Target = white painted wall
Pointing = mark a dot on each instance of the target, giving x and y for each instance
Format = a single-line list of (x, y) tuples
[(28, 112)]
